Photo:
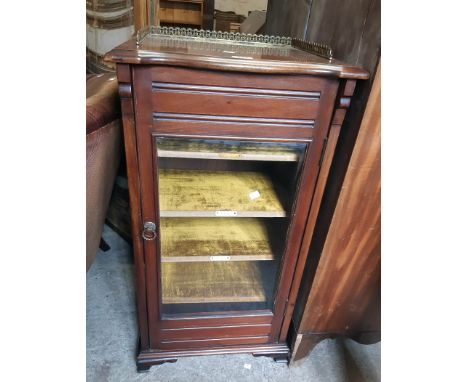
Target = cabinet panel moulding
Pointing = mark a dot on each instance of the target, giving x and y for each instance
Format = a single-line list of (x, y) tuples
[(224, 150), (240, 91), (286, 122)]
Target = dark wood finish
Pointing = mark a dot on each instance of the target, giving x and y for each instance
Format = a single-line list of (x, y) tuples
[(143, 119), (326, 160), (252, 318), (288, 18), (308, 186), (208, 15), (223, 101), (146, 359), (217, 56), (144, 364), (304, 343), (189, 76), (128, 121), (222, 332), (103, 246), (118, 213), (167, 92), (344, 297), (278, 129), (353, 31)]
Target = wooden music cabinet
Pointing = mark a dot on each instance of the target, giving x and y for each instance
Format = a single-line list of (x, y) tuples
[(228, 141)]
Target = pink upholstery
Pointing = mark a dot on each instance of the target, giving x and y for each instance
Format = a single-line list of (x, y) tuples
[(103, 154)]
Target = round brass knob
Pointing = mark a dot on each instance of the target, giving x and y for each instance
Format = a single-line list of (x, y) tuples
[(149, 231)]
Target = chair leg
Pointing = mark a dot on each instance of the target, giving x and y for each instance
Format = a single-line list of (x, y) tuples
[(103, 246)]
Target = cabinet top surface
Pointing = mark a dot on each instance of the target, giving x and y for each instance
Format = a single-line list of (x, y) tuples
[(260, 54)]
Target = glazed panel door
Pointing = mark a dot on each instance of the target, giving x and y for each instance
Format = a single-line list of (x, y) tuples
[(224, 216), (225, 209)]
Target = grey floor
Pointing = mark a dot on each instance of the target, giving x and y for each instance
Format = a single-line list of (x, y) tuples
[(111, 331)]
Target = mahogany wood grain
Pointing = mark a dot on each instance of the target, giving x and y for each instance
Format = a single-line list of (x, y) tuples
[(146, 359), (221, 332), (329, 150), (293, 82), (247, 121), (231, 57), (344, 297), (143, 118), (303, 202), (356, 231), (229, 104), (124, 75), (212, 342), (251, 317), (204, 92), (134, 195), (233, 130), (353, 30)]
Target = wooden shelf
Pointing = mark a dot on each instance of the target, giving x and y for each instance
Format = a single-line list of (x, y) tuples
[(181, 12), (209, 239), (204, 149), (190, 193), (191, 283)]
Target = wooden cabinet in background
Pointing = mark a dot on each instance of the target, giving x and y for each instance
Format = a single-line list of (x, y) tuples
[(146, 13), (343, 299), (183, 13), (228, 146), (340, 290)]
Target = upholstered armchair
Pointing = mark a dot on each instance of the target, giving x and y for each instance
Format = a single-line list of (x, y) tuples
[(103, 154)]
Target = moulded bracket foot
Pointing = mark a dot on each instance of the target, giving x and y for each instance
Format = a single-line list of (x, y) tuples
[(144, 366)]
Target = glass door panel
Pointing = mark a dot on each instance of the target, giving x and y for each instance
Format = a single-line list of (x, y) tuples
[(225, 210)]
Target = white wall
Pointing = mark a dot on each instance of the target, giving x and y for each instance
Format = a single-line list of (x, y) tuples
[(241, 7)]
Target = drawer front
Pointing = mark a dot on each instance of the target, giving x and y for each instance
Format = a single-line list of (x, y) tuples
[(293, 100), (233, 101)]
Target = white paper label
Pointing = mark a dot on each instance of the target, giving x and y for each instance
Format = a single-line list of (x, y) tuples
[(220, 258), (254, 195), (225, 213)]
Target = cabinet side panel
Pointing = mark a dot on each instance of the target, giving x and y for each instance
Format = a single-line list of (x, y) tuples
[(128, 119), (347, 283), (286, 299)]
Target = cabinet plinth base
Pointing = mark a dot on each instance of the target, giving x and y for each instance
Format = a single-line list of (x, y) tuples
[(143, 365), (278, 356), (148, 358)]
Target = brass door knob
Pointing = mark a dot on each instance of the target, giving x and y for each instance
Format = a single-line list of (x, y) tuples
[(149, 231)]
